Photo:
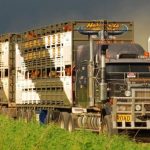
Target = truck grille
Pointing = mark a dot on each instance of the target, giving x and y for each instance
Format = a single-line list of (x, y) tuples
[(143, 96), (143, 93), (139, 110)]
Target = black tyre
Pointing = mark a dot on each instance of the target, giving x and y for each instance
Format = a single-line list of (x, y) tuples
[(63, 120), (25, 116), (49, 117), (29, 115), (19, 115)]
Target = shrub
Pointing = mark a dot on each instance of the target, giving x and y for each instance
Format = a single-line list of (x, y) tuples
[(18, 135)]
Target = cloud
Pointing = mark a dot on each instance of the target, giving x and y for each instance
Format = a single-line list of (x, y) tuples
[(17, 15)]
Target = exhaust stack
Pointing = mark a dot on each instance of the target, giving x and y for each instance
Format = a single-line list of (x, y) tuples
[(103, 84), (91, 74)]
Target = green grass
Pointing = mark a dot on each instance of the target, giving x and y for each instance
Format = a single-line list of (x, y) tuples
[(17, 135)]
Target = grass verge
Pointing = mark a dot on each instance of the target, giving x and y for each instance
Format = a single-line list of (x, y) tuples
[(17, 135)]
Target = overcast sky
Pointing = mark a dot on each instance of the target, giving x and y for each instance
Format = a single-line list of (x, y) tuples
[(20, 15)]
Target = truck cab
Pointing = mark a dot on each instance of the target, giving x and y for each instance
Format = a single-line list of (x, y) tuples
[(128, 87)]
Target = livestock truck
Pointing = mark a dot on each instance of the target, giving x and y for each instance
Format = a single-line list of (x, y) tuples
[(79, 74)]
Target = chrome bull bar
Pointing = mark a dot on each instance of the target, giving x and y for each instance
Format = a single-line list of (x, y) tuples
[(132, 112)]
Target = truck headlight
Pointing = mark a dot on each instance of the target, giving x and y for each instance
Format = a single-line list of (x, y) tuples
[(138, 107), (127, 93), (123, 108)]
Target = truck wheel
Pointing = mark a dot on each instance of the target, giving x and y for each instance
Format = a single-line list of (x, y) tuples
[(63, 120), (106, 126), (25, 116), (19, 115), (71, 123), (29, 115)]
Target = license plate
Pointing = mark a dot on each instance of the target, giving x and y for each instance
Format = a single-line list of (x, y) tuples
[(126, 118)]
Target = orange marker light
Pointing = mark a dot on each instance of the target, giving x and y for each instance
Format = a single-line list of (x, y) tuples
[(146, 54)]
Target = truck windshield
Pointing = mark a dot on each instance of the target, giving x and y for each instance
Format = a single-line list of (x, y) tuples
[(126, 67)]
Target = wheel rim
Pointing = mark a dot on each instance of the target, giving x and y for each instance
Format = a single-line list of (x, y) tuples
[(70, 128), (62, 124)]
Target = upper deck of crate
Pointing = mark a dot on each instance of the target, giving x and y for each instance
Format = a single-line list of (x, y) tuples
[(74, 26)]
